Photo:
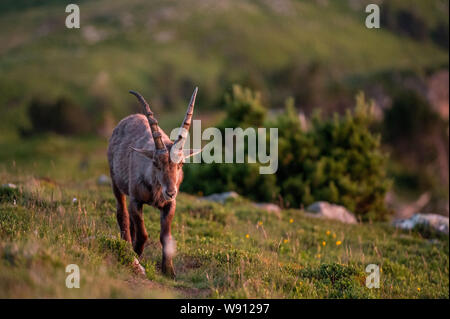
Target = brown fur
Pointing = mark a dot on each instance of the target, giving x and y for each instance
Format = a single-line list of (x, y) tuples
[(150, 178)]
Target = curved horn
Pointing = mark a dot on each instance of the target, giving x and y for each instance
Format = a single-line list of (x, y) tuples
[(184, 128), (159, 145)]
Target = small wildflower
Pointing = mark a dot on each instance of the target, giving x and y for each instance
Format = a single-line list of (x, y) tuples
[(300, 283), (318, 255), (74, 200), (291, 221), (328, 233), (324, 243), (247, 236), (260, 223), (286, 241), (338, 243), (418, 289), (334, 235)]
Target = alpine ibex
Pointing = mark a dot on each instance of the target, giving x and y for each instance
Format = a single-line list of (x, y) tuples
[(146, 166)]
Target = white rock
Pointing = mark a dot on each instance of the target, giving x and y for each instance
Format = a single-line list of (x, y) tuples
[(9, 185), (435, 221), (221, 197), (269, 207), (332, 211), (103, 180)]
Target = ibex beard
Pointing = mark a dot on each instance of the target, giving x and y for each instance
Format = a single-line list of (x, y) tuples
[(147, 166)]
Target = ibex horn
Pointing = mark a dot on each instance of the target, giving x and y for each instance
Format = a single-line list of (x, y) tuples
[(159, 145), (184, 128)]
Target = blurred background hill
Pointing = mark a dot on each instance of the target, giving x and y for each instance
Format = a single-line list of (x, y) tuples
[(317, 54)]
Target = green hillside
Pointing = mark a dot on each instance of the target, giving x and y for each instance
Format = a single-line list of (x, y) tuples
[(75, 82), (164, 48)]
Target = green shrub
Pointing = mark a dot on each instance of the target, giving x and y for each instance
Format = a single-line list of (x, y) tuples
[(8, 194), (418, 138), (120, 248), (346, 281), (408, 19), (61, 116), (244, 109), (337, 160)]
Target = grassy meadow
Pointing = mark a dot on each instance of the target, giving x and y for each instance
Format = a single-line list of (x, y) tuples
[(223, 251), (317, 52)]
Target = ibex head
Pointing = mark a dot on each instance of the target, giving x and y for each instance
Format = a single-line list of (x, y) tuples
[(168, 159)]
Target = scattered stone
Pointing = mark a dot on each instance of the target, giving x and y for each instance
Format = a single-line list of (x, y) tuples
[(9, 185), (104, 180), (221, 197), (269, 207), (137, 267), (435, 221), (331, 211)]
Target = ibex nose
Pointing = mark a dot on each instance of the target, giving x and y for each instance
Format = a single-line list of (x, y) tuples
[(171, 193)]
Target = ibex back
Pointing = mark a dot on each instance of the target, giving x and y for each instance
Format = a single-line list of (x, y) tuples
[(147, 166)]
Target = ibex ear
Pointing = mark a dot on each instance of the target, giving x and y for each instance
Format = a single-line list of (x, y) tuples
[(148, 153), (191, 152)]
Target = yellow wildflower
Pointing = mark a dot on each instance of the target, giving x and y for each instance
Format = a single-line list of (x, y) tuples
[(328, 233), (324, 243), (338, 243), (247, 236), (286, 241), (291, 221), (260, 223), (418, 289)]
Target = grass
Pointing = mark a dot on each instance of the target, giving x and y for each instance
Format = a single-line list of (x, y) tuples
[(233, 250)]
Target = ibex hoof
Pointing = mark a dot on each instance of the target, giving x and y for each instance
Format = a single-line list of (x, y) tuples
[(137, 267), (169, 271)]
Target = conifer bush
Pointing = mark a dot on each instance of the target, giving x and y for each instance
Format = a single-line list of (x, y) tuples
[(338, 160)]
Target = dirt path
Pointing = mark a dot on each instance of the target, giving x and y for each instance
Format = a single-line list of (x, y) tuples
[(166, 291)]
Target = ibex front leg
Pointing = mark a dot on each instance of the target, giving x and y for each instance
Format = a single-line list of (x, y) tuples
[(140, 233), (123, 219), (168, 245)]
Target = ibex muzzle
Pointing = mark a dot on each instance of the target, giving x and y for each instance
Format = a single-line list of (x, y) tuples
[(147, 166)]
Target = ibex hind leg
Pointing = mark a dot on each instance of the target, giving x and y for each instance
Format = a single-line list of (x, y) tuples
[(123, 218)]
